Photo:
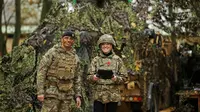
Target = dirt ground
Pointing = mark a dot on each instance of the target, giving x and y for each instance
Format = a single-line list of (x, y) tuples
[(124, 107), (170, 109)]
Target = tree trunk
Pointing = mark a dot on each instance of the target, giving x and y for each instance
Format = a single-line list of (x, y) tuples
[(46, 6), (17, 23), (2, 39)]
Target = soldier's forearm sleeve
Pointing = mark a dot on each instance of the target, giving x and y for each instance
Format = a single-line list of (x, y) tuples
[(42, 71), (92, 71), (40, 83), (122, 73), (77, 82)]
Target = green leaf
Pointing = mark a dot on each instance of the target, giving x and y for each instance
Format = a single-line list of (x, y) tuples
[(129, 1), (74, 2)]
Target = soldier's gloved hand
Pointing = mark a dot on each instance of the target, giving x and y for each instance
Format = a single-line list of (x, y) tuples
[(95, 78), (78, 102), (40, 98)]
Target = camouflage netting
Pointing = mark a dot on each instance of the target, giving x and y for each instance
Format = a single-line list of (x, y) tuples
[(18, 91), (19, 80), (89, 20), (157, 68)]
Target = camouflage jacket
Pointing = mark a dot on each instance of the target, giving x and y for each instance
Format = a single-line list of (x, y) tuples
[(107, 90), (59, 74)]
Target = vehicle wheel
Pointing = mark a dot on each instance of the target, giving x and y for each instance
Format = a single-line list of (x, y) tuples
[(136, 106), (154, 101)]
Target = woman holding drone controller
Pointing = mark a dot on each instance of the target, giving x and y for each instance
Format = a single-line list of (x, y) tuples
[(106, 72)]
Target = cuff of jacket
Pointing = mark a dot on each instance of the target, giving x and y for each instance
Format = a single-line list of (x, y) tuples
[(78, 95), (90, 78), (119, 80), (40, 92)]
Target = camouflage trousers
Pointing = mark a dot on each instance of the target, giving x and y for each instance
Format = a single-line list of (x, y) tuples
[(55, 105)]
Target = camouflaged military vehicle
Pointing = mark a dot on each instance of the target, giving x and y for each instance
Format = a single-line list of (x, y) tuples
[(189, 91), (152, 80)]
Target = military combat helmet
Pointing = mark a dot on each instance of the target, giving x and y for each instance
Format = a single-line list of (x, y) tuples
[(106, 38)]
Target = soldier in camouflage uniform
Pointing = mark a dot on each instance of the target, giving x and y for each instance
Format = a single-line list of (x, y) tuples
[(106, 91), (58, 78)]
